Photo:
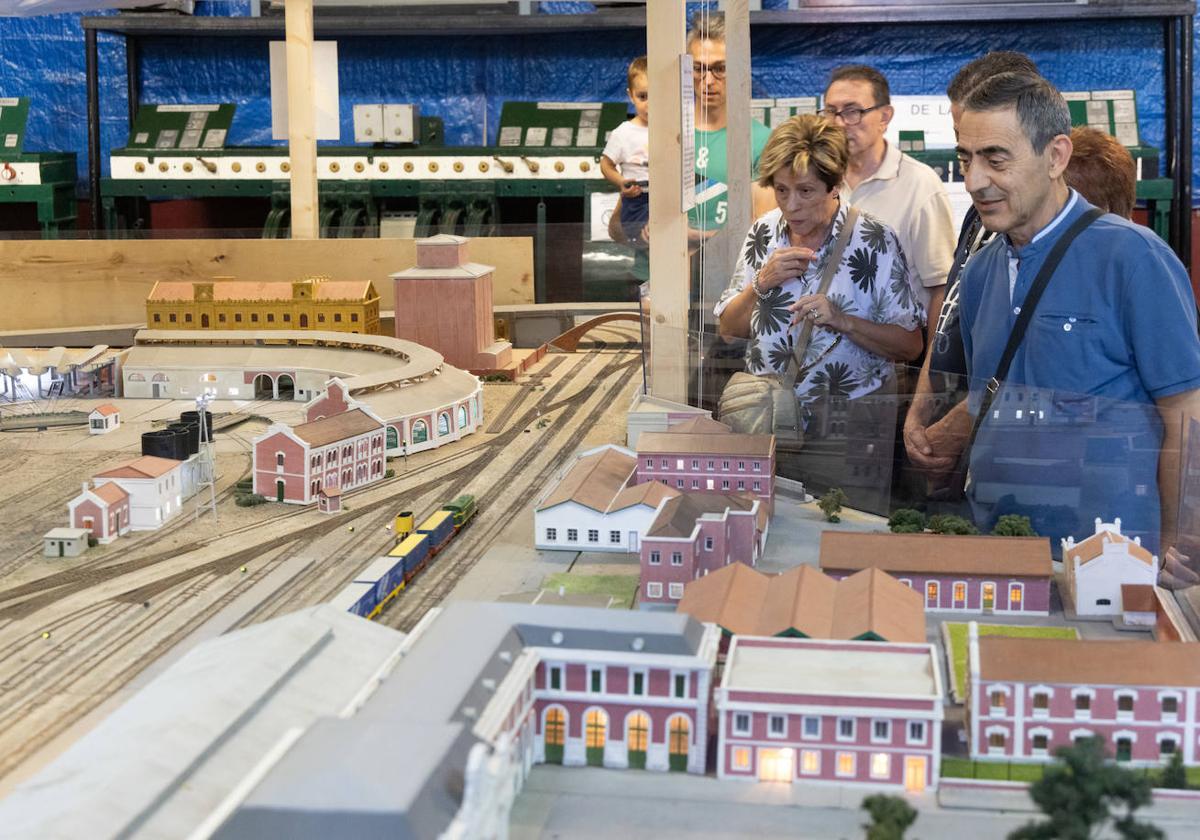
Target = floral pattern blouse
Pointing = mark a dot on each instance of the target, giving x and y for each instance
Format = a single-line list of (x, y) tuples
[(873, 282)]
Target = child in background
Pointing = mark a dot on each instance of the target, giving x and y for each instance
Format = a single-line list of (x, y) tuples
[(626, 159)]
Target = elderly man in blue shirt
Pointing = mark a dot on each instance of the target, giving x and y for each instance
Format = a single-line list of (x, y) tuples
[(1088, 422)]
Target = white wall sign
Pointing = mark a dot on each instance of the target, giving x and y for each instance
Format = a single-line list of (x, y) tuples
[(325, 90)]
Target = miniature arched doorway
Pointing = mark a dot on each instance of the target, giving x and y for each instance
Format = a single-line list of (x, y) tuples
[(420, 432), (204, 320), (443, 424), (285, 387), (462, 417), (279, 488), (264, 387), (596, 735), (637, 738), (679, 729), (303, 321), (393, 439), (554, 730)]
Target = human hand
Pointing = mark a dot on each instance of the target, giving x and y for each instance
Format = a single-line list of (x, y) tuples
[(645, 234), (1178, 570), (937, 447), (783, 265), (819, 310), (631, 189)]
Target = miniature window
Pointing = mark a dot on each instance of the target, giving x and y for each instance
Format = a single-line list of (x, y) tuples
[(1041, 702), (596, 680), (960, 592), (741, 485), (593, 535), (279, 459), (1015, 593), (881, 730), (724, 484), (881, 765), (655, 558), (711, 464), (237, 317), (653, 590), (708, 543), (254, 317), (614, 537), (695, 464), (758, 466), (1170, 705), (741, 759), (638, 684), (1041, 742), (845, 729), (1167, 747), (777, 726), (354, 317), (649, 463), (695, 484), (157, 318), (931, 591), (676, 558), (997, 701), (675, 590), (680, 681), (725, 465), (1083, 702), (996, 739), (1104, 602), (221, 317), (810, 762), (321, 317), (1125, 703), (916, 732), (812, 727), (741, 466), (757, 486), (551, 534), (337, 317), (173, 318), (270, 317), (663, 463), (572, 535), (187, 318), (287, 317), (556, 678), (679, 483), (845, 764), (741, 723)]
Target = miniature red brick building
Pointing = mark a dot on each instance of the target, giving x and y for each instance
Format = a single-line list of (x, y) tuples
[(445, 303), (103, 510)]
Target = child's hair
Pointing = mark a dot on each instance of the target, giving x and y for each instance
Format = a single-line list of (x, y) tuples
[(637, 67)]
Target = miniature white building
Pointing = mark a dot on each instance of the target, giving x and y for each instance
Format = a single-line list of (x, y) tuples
[(593, 505), (103, 419), (155, 488), (65, 542), (1097, 567)]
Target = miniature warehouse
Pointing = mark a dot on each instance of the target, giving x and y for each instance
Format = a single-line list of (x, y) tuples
[(399, 486)]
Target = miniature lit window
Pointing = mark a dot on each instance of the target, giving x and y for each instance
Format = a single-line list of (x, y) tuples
[(916, 732), (653, 590), (680, 682), (572, 535), (845, 729), (676, 558), (845, 764), (931, 591), (593, 535), (777, 726), (638, 732), (675, 590), (741, 723), (655, 558), (881, 765), (810, 762), (960, 592), (881, 730), (597, 729), (555, 726), (812, 727), (551, 534), (596, 680), (997, 701), (556, 678), (741, 759), (1015, 594), (638, 684), (678, 463)]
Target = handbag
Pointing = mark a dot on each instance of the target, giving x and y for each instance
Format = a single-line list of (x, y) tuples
[(766, 404)]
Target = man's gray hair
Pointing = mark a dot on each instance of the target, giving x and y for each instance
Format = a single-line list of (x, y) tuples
[(706, 26), (1040, 108)]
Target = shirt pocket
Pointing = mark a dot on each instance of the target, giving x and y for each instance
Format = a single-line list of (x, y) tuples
[(1067, 352)]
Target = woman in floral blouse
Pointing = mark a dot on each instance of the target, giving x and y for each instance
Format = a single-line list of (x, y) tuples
[(869, 317)]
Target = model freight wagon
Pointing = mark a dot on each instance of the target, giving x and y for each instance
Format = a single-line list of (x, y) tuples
[(440, 528), (411, 555)]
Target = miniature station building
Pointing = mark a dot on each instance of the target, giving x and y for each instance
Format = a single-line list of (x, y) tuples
[(103, 419), (867, 606), (840, 712), (693, 534), (1097, 568), (65, 542), (447, 305), (314, 708), (655, 414), (313, 303), (156, 488), (980, 574), (1026, 697), (102, 509)]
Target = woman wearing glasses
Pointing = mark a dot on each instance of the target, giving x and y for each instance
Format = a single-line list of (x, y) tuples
[(868, 316)]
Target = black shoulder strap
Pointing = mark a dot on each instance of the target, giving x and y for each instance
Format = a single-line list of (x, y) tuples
[(1031, 301)]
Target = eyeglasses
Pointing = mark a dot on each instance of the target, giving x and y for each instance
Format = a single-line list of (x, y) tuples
[(850, 115), (716, 68)]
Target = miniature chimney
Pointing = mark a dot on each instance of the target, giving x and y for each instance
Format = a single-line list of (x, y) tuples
[(85, 487)]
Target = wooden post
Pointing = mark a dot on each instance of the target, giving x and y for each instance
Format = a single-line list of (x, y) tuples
[(302, 134), (669, 270)]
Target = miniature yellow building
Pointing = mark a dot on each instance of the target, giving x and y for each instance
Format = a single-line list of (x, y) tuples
[(314, 303)]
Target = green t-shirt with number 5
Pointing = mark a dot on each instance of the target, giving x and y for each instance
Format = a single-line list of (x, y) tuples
[(711, 164)]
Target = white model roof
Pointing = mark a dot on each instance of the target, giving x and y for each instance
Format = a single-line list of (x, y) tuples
[(816, 667)]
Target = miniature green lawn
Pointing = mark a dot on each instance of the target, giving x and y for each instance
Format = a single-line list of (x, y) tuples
[(621, 588), (955, 634)]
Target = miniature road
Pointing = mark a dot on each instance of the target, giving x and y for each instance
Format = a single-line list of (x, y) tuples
[(73, 639)]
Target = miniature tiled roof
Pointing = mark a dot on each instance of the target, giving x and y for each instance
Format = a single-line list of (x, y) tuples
[(678, 516), (329, 430), (705, 443), (147, 466), (1138, 597), (699, 425), (248, 290), (1093, 547), (803, 600), (1088, 662), (936, 553), (593, 481), (111, 493), (108, 409), (648, 493)]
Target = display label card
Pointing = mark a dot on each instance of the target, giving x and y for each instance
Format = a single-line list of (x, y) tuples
[(191, 139), (510, 135), (167, 139), (215, 138), (536, 135), (587, 136), (569, 106), (801, 104), (1124, 110), (196, 120), (590, 118), (142, 137), (184, 109), (759, 114), (779, 115), (10, 141), (8, 101), (929, 114), (1126, 133), (562, 136)]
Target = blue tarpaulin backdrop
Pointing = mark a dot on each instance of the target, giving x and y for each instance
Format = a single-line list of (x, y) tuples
[(465, 80)]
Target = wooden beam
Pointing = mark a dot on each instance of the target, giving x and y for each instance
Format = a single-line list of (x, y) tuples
[(669, 270), (302, 135)]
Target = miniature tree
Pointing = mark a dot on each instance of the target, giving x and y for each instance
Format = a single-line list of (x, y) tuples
[(1173, 775), (1014, 525), (946, 523), (890, 817), (1078, 792), (907, 521), (831, 504)]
